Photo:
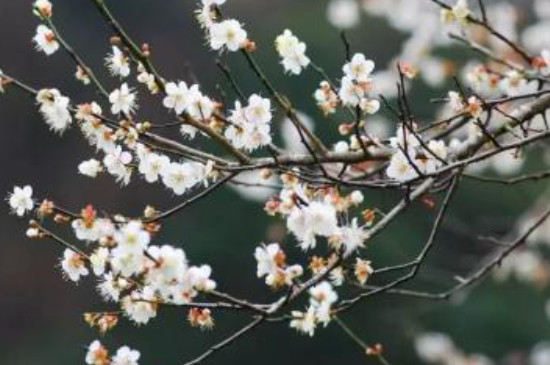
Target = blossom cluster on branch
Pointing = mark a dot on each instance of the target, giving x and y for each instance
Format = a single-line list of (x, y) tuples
[(495, 113)]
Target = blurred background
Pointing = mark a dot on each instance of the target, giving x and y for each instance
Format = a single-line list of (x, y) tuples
[(41, 315)]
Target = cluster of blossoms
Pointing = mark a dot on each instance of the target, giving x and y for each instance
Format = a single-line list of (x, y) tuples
[(311, 214), (98, 355), (356, 84), (250, 126), (177, 176), (472, 106), (292, 52), (490, 83), (132, 272), (183, 99), (272, 264), (140, 276), (414, 158)]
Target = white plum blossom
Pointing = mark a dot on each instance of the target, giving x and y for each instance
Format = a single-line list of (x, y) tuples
[(514, 83), (408, 164), (152, 165), (148, 79), (359, 68), (268, 258), (97, 354), (90, 168), (250, 126), (92, 229), (343, 14), (457, 13), (122, 100), (369, 106), (111, 287), (98, 260), (362, 270), (304, 322), (228, 34), (126, 356), (177, 97), (400, 167), (271, 263), (188, 131), (456, 102), (73, 265), (351, 93), (138, 306), (132, 237), (127, 263), (205, 16), (258, 110), (116, 164), (45, 40), (322, 293), (43, 8), (461, 10), (20, 200), (326, 98), (352, 237), (181, 176), (404, 138), (322, 296), (88, 113), (201, 107), (118, 63), (54, 107), (315, 219), (292, 52), (199, 277), (172, 266)]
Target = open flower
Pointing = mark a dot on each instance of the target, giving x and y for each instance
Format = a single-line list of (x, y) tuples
[(359, 69), (315, 219), (118, 63), (54, 107), (73, 265), (90, 168), (126, 356), (177, 97), (45, 40), (228, 34), (122, 100), (97, 354), (21, 200)]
